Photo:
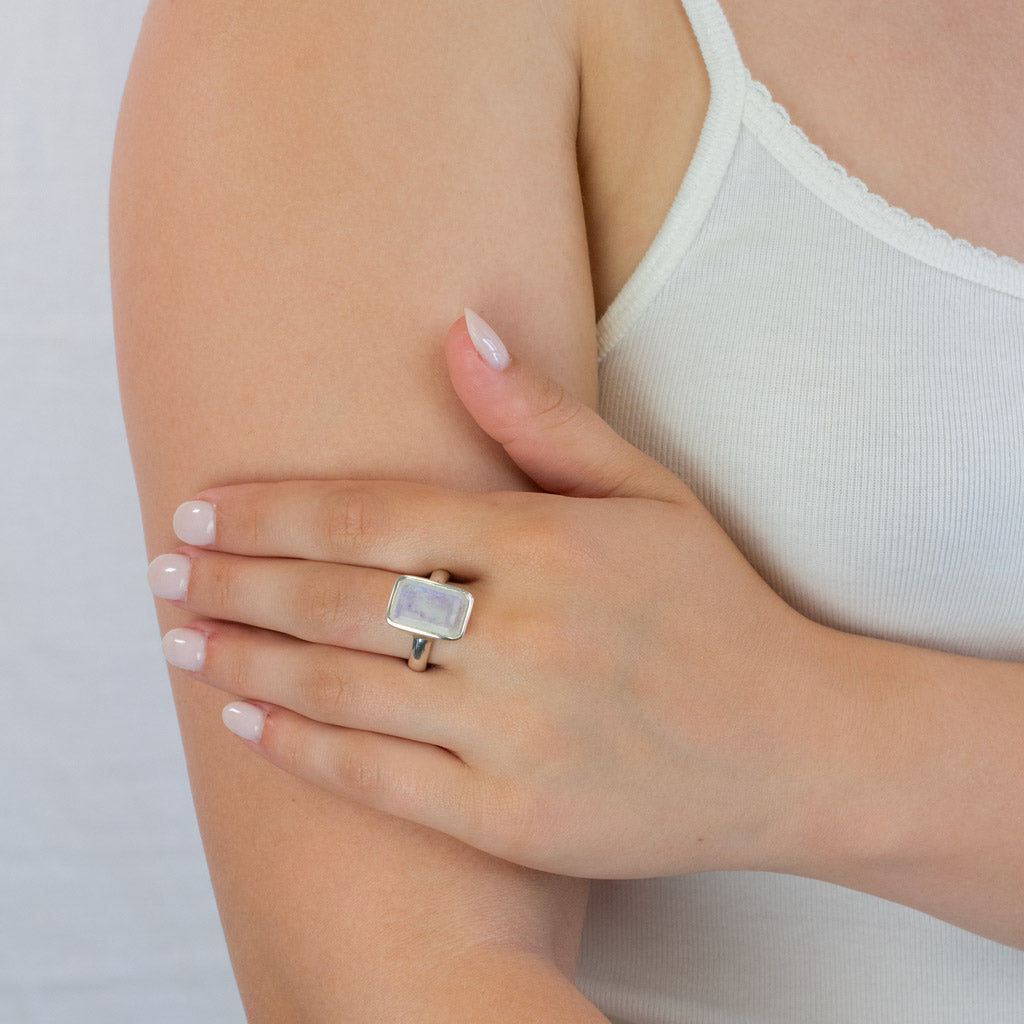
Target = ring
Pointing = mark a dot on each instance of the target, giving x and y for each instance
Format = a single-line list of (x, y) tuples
[(431, 609)]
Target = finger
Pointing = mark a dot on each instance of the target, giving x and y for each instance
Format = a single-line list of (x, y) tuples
[(415, 781), (409, 528), (318, 602), (561, 444), (325, 684)]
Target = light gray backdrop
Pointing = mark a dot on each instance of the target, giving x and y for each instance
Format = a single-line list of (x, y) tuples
[(106, 913)]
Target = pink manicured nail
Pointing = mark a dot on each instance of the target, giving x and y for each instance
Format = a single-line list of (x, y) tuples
[(195, 522), (486, 340), (168, 577), (245, 720), (185, 648)]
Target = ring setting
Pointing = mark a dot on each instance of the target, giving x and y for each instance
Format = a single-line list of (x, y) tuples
[(431, 609)]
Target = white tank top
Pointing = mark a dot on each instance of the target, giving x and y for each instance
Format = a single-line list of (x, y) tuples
[(843, 386)]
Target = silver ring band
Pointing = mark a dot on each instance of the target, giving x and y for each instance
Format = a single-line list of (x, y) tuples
[(419, 659)]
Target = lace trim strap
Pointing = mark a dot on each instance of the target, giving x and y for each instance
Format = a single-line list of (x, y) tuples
[(771, 124)]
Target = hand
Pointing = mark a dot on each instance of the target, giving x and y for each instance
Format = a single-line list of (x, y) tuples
[(630, 697)]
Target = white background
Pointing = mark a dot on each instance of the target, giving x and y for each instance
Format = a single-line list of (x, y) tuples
[(106, 913)]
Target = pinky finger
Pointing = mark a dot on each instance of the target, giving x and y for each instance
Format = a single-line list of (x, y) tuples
[(416, 781)]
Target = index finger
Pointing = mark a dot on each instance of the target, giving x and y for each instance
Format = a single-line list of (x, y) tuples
[(403, 527)]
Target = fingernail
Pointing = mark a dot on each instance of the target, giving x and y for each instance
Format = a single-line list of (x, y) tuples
[(245, 720), (168, 577), (486, 341), (195, 522), (185, 648)]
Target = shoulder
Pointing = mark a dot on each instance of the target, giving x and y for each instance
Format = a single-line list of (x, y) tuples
[(427, 35), (371, 60)]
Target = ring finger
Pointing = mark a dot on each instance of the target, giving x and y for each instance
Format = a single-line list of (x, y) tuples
[(320, 602)]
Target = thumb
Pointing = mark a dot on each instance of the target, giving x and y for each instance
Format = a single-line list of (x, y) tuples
[(561, 444)]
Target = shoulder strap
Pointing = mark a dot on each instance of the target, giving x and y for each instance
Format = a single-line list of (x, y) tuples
[(729, 81)]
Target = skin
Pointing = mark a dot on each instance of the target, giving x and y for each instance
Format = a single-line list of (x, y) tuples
[(276, 321)]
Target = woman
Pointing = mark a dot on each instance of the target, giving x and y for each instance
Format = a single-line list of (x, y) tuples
[(300, 200)]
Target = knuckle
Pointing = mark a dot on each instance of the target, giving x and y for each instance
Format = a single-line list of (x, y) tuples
[(286, 747), (233, 662), (549, 635), (251, 525), (544, 538), (560, 540), (556, 407), (348, 519), (222, 583), (550, 408), (364, 778), (299, 750), (321, 601), (326, 692)]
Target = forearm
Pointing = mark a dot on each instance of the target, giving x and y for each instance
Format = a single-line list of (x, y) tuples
[(923, 799)]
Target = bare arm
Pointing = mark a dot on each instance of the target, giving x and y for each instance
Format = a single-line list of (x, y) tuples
[(304, 197)]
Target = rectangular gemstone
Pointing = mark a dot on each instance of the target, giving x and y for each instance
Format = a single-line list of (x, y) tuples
[(437, 610)]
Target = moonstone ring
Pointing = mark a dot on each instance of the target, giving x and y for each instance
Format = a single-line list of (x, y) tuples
[(431, 609)]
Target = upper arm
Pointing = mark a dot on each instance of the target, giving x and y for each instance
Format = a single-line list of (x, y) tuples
[(304, 197)]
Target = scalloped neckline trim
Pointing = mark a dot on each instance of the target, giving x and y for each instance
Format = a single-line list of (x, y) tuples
[(771, 123)]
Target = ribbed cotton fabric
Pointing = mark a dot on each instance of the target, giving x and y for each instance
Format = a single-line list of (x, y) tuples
[(843, 386)]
